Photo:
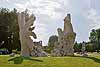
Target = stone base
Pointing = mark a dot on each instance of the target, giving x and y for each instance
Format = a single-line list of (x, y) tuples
[(57, 52), (39, 54), (85, 54)]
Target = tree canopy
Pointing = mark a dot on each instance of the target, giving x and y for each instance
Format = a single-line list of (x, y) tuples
[(9, 30)]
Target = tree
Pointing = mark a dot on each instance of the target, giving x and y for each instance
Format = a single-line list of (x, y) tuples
[(89, 47), (77, 47), (93, 39), (9, 30), (98, 39)]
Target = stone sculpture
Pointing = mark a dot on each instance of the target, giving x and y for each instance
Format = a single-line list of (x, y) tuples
[(26, 27), (37, 50), (25, 22), (66, 39), (84, 52)]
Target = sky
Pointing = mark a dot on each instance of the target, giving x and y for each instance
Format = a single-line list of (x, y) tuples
[(49, 14)]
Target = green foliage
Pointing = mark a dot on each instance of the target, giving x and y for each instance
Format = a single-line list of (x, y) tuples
[(9, 30), (3, 49), (89, 48), (77, 47), (98, 39), (93, 45), (95, 39)]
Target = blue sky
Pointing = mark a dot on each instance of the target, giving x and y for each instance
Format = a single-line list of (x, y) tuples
[(50, 14)]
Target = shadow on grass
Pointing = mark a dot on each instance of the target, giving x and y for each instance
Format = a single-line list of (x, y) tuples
[(92, 58), (19, 60)]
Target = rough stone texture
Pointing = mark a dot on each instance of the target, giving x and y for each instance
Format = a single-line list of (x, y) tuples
[(83, 47), (37, 50), (12, 55), (66, 39), (25, 22), (84, 52)]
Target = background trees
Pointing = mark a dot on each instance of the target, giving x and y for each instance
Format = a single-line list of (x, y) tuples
[(77, 47), (9, 30), (98, 39), (94, 43), (95, 39)]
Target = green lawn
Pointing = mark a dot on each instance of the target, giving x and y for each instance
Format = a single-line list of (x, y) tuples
[(6, 61)]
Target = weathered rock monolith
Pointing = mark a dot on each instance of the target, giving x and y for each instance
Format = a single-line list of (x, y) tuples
[(66, 39), (28, 47), (25, 22)]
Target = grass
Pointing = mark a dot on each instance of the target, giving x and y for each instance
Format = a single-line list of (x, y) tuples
[(6, 61)]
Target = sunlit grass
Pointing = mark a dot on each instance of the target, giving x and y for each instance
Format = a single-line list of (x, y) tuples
[(6, 61)]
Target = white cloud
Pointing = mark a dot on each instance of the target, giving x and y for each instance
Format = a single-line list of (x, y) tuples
[(47, 12), (94, 19), (47, 7)]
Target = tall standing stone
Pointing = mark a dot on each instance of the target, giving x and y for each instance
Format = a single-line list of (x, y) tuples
[(28, 47), (25, 22), (66, 39)]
